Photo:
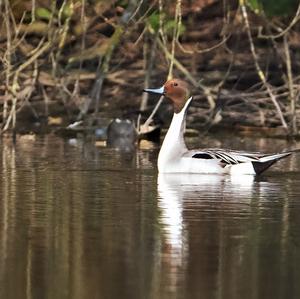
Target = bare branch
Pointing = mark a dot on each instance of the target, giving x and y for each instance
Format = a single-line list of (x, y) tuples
[(258, 68)]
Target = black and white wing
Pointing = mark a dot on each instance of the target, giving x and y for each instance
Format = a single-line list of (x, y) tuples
[(260, 162), (229, 157)]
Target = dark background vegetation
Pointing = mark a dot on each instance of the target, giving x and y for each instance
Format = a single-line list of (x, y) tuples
[(68, 60)]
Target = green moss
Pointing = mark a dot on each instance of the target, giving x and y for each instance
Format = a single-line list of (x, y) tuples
[(273, 7)]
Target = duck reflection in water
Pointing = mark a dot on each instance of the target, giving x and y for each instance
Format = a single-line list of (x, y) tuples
[(185, 203)]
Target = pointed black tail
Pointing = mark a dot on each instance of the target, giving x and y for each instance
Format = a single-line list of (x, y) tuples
[(264, 163)]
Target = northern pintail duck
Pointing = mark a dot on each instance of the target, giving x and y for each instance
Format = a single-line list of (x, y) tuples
[(175, 157)]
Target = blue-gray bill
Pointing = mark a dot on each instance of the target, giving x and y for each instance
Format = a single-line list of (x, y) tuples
[(160, 90)]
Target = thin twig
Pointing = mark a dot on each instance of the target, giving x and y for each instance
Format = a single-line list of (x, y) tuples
[(290, 83), (176, 30), (295, 19), (189, 76), (258, 68), (8, 54), (150, 118)]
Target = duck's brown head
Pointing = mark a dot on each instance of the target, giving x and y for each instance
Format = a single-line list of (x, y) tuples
[(176, 90)]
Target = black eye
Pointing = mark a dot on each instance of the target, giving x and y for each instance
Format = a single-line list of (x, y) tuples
[(175, 84)]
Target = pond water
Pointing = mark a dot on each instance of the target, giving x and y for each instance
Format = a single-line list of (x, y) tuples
[(80, 221)]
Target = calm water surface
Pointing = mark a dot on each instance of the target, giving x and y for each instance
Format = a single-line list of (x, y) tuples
[(79, 221)]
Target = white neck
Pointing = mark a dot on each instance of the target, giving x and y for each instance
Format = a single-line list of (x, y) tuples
[(173, 145)]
